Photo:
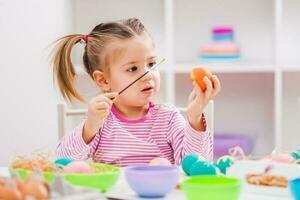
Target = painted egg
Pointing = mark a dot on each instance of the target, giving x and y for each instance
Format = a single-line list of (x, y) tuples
[(224, 162), (197, 75), (188, 161), (63, 161), (283, 158), (78, 167), (160, 161), (296, 155), (202, 168)]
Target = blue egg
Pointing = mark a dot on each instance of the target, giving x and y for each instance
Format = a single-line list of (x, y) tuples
[(63, 161), (202, 168), (188, 161), (224, 162)]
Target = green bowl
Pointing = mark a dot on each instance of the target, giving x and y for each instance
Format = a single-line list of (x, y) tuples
[(211, 188), (105, 177), (23, 174)]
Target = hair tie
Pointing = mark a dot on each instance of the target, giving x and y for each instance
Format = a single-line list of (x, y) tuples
[(85, 39)]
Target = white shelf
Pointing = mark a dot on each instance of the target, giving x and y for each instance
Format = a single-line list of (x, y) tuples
[(291, 68), (237, 67), (257, 91)]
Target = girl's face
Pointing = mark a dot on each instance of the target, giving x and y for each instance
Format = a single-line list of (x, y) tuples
[(132, 58)]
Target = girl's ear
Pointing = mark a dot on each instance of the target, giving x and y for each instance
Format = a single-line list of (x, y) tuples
[(101, 80)]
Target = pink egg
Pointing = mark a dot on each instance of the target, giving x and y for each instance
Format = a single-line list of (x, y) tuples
[(78, 167), (283, 158), (160, 161)]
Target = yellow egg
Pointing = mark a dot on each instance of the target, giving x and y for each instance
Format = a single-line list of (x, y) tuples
[(160, 161)]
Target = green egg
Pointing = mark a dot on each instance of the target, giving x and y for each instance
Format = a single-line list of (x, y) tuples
[(224, 162), (202, 168), (63, 161), (296, 155), (188, 161)]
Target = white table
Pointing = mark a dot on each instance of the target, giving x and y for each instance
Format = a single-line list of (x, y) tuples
[(122, 192)]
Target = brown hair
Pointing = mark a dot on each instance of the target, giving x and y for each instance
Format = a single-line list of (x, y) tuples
[(93, 56)]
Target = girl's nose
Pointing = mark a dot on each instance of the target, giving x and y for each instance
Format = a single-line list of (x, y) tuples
[(148, 76)]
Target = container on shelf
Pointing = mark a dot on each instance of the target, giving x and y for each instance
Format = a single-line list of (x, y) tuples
[(223, 47)]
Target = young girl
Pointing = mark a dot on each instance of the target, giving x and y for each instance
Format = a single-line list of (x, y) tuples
[(128, 128)]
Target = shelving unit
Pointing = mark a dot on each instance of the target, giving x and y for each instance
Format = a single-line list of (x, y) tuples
[(260, 96)]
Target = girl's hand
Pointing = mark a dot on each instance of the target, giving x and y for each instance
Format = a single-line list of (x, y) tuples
[(99, 107), (198, 100)]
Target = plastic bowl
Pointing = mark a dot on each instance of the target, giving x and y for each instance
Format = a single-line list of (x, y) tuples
[(152, 181), (23, 174), (295, 187), (211, 188), (104, 179)]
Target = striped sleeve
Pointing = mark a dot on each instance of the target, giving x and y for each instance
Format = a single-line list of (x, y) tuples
[(186, 140), (73, 146)]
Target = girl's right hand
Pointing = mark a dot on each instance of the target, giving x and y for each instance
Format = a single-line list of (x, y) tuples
[(99, 107)]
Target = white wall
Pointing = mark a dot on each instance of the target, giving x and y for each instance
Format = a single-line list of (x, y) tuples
[(252, 21), (151, 13), (27, 95)]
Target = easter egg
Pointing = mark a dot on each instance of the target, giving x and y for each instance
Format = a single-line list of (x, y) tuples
[(282, 158), (202, 168), (224, 162), (198, 74), (78, 167), (189, 160), (63, 161), (296, 155), (160, 161)]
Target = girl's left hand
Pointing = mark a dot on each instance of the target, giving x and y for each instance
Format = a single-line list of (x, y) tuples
[(198, 100)]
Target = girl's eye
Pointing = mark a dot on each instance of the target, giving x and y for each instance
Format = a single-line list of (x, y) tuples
[(151, 64), (132, 69)]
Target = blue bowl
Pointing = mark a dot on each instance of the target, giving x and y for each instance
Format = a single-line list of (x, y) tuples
[(152, 181), (295, 187)]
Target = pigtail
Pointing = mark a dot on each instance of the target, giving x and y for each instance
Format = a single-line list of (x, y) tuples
[(64, 72), (93, 58)]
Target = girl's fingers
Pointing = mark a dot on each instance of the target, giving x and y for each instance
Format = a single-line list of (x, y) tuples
[(107, 97), (192, 95), (104, 114), (111, 95), (102, 106), (198, 90), (217, 85), (209, 88)]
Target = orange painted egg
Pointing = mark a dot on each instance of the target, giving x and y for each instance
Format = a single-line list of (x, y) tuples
[(197, 75)]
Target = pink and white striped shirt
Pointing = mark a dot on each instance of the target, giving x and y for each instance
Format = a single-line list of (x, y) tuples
[(162, 132)]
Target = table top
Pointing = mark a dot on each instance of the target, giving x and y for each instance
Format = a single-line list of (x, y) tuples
[(121, 191)]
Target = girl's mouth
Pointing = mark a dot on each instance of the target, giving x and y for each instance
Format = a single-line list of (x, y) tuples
[(148, 90)]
